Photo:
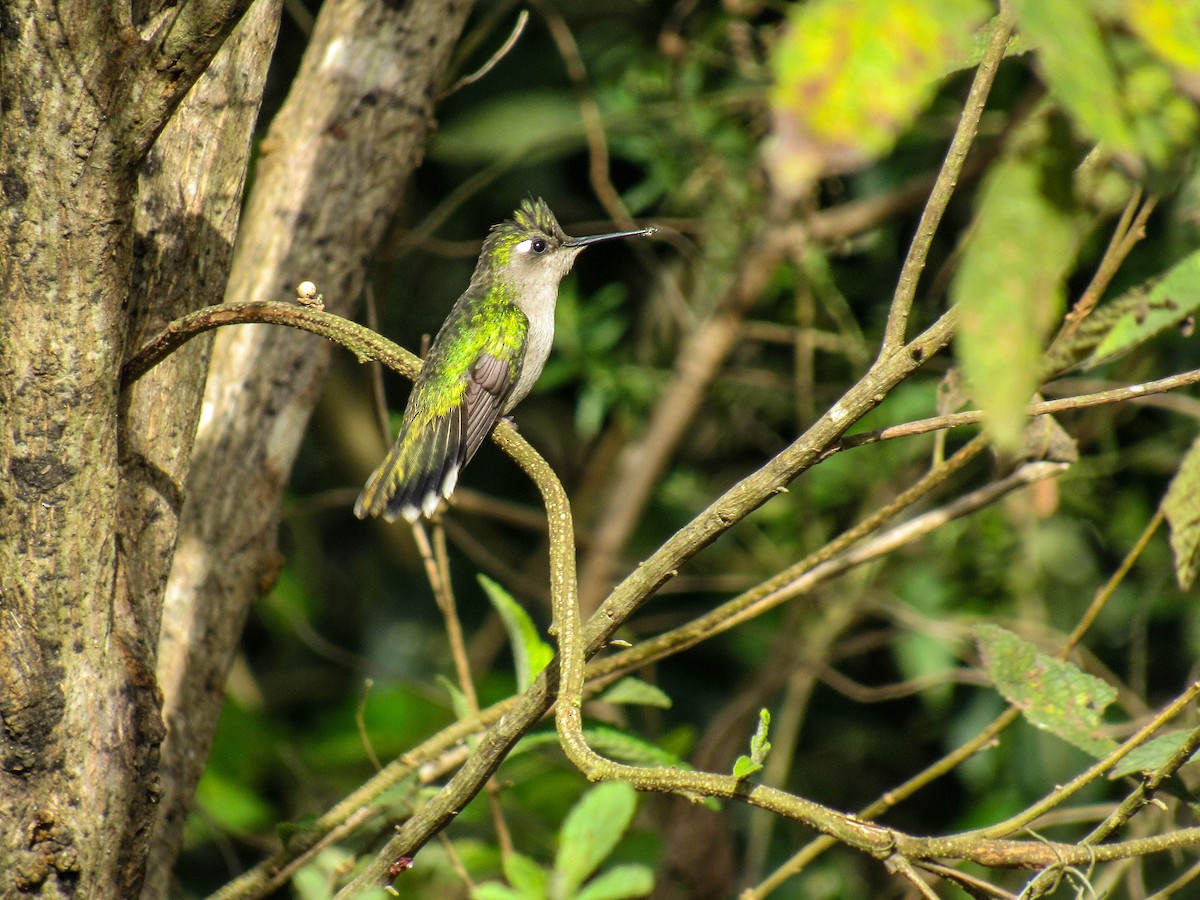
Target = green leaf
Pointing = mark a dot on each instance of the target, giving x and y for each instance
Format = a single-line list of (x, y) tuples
[(630, 748), (1146, 311), (314, 880), (635, 691), (745, 766), (1153, 754), (526, 876), (1009, 289), (759, 745), (591, 831), (232, 806), (458, 700), (1053, 695), (1170, 28), (1077, 66), (1182, 509), (530, 652), (494, 890), (852, 75), (619, 883)]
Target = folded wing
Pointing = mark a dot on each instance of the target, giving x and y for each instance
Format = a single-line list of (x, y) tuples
[(423, 466)]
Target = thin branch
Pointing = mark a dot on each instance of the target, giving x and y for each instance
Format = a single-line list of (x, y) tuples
[(509, 43), (377, 387), (437, 570), (1042, 408), (1141, 796), (697, 362), (904, 868), (1106, 591), (361, 341), (1130, 229), (976, 887), (939, 198), (1172, 889), (439, 582), (360, 722)]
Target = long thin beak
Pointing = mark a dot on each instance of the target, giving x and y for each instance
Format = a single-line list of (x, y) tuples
[(597, 238)]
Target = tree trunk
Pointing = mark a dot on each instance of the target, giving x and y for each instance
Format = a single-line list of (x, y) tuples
[(83, 94), (114, 222), (328, 182), (190, 202)]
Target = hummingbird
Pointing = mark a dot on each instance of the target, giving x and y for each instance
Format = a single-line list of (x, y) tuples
[(485, 359)]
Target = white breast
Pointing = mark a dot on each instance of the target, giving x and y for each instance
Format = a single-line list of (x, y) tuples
[(538, 307)]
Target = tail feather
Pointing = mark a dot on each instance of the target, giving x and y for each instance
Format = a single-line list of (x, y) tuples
[(420, 470)]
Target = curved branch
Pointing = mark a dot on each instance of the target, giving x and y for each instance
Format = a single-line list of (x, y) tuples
[(358, 339)]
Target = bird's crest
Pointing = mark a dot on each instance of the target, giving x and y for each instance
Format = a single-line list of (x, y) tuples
[(534, 215)]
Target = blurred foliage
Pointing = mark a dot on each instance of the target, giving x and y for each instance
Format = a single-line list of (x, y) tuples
[(716, 118)]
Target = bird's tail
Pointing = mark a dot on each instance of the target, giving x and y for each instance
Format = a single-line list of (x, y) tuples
[(420, 470)]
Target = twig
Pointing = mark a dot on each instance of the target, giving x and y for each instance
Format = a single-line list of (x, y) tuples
[(1106, 591), (360, 722), (904, 868), (976, 887), (1141, 796), (1042, 408), (377, 388), (787, 583), (1130, 229), (939, 198), (1092, 772), (862, 693), (444, 595), (1172, 889), (697, 362), (509, 43), (437, 569)]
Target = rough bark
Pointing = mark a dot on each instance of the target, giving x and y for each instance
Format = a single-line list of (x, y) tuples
[(189, 206), (83, 94), (328, 182)]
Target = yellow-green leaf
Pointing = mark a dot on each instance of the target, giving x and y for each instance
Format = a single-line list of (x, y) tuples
[(530, 652), (1148, 310), (1182, 509), (634, 691), (1009, 290), (1052, 695), (619, 883), (591, 831), (1170, 28), (852, 75), (1153, 754), (1076, 65)]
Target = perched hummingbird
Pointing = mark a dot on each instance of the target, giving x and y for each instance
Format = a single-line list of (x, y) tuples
[(484, 360)]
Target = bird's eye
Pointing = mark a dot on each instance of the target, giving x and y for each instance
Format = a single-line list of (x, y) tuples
[(539, 246)]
